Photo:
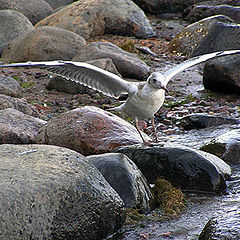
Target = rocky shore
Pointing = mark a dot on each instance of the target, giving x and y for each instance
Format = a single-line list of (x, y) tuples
[(72, 170)]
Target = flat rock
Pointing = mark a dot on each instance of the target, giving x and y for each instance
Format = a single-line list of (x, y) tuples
[(19, 104), (198, 121), (32, 9), (129, 65), (222, 227), (18, 128), (89, 130), (13, 24), (225, 146), (97, 17), (64, 85), (199, 12), (58, 3), (220, 37), (44, 43), (9, 86), (125, 178), (222, 74), (189, 169), (186, 41), (48, 192)]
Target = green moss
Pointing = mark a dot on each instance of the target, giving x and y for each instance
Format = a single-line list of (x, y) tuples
[(171, 104), (128, 46), (27, 84), (169, 198)]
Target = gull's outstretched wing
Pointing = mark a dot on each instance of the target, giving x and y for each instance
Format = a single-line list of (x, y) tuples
[(83, 73), (194, 61)]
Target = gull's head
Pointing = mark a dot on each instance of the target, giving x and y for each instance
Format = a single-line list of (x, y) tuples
[(157, 80)]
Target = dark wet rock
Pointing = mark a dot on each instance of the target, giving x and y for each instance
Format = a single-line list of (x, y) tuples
[(32, 9), (163, 6), (64, 85), (125, 178), (18, 128), (97, 17), (89, 130), (222, 227), (128, 64), (197, 121), (222, 74), (18, 104), (9, 86), (202, 11), (13, 24), (58, 3), (225, 146), (191, 170), (186, 41), (48, 192), (221, 36), (44, 43)]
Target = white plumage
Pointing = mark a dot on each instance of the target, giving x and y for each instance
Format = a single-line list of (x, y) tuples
[(144, 98)]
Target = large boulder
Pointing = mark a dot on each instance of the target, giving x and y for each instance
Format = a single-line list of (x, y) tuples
[(189, 169), (97, 17), (202, 11), (44, 43), (19, 104), (17, 127), (125, 178), (222, 74), (48, 192), (32, 9), (163, 6), (221, 36), (128, 64), (13, 24), (187, 40), (89, 130)]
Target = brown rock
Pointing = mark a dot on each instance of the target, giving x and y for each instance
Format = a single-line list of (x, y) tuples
[(17, 127), (32, 9), (89, 130), (9, 86), (97, 17), (44, 43)]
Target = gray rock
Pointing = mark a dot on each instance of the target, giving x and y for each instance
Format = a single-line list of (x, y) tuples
[(186, 41), (202, 11), (18, 128), (13, 24), (128, 64), (197, 121), (225, 146), (48, 192), (222, 227), (89, 130), (191, 170), (44, 43), (125, 178), (63, 85), (18, 104), (163, 6), (58, 3), (97, 17), (222, 74), (32, 9), (221, 36), (9, 86)]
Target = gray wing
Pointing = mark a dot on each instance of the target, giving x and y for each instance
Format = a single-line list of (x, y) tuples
[(83, 73), (194, 61)]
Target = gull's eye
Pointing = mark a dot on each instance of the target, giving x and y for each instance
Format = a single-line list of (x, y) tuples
[(154, 80)]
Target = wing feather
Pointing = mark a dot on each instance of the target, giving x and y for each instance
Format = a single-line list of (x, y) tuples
[(83, 73), (169, 74)]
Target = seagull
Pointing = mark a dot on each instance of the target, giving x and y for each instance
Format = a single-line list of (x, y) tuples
[(144, 98)]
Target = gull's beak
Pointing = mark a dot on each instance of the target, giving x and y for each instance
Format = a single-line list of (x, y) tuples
[(165, 89)]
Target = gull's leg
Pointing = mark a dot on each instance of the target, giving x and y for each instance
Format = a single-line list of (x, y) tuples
[(137, 127), (154, 129)]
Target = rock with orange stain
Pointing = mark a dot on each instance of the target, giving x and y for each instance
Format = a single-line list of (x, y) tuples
[(89, 130)]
